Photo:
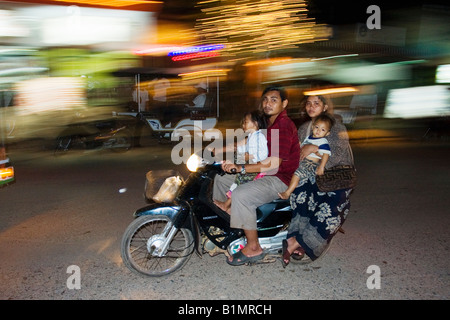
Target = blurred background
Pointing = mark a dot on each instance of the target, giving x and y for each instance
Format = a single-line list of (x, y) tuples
[(386, 67)]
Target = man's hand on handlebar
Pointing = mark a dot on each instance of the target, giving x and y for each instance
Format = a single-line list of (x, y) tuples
[(231, 167)]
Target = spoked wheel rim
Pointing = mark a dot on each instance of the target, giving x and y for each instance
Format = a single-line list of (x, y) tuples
[(142, 246)]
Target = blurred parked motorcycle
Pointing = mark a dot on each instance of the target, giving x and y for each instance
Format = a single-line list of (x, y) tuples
[(113, 134)]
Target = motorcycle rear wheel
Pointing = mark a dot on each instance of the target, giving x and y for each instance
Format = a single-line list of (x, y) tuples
[(140, 242)]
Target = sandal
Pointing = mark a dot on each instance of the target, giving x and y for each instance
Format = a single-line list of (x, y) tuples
[(298, 254), (239, 258), (285, 255)]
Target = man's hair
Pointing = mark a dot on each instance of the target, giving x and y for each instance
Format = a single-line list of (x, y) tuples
[(324, 117), (281, 90)]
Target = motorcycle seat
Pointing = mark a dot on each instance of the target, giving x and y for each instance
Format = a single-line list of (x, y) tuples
[(276, 205)]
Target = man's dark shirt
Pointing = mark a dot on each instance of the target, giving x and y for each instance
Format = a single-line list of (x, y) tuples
[(288, 146)]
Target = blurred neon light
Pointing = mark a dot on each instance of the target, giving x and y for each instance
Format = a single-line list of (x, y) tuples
[(195, 55), (330, 91), (196, 49)]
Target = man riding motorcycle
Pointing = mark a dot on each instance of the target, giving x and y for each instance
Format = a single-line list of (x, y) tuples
[(284, 156)]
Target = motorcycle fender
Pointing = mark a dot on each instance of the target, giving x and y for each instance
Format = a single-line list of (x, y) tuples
[(177, 213), (158, 209)]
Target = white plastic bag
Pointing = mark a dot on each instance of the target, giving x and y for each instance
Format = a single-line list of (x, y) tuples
[(168, 190)]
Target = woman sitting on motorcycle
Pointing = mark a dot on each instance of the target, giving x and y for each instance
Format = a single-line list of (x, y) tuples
[(317, 216)]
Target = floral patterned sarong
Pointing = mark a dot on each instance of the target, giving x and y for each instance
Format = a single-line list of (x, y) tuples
[(317, 216)]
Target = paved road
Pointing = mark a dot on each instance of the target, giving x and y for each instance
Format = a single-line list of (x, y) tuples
[(69, 212)]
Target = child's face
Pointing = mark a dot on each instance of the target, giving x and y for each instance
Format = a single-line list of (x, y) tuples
[(320, 129), (248, 124)]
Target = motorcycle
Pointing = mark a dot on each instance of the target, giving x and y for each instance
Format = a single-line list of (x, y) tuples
[(112, 134), (165, 233)]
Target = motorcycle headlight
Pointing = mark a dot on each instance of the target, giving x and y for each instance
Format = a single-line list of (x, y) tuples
[(194, 162)]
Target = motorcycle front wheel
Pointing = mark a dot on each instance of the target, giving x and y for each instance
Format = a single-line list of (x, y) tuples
[(143, 241)]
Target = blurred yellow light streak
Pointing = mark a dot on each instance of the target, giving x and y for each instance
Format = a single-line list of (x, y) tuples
[(205, 73), (323, 92), (107, 3), (267, 61)]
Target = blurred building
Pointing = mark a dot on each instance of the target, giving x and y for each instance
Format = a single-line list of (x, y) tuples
[(60, 55), (240, 46), (72, 38)]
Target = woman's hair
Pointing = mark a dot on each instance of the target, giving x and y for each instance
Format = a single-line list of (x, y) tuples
[(257, 117)]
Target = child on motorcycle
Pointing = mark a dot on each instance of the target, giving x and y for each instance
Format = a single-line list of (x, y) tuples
[(315, 162), (253, 150)]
